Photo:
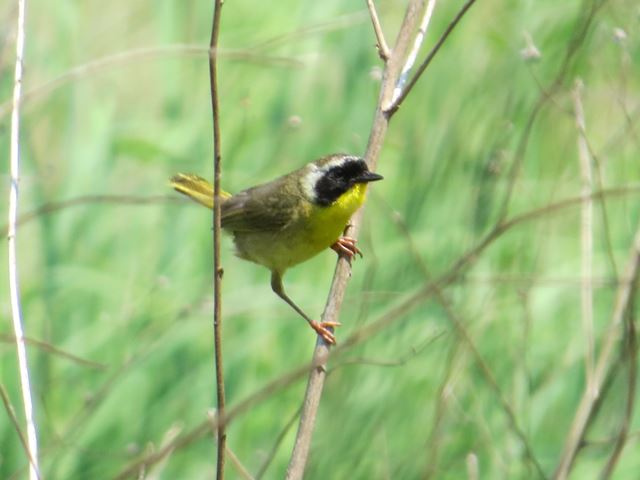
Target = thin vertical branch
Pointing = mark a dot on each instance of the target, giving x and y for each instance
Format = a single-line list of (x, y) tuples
[(383, 48), (14, 287), (217, 269), (586, 237)]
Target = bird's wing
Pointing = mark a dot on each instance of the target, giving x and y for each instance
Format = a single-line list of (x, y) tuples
[(265, 208)]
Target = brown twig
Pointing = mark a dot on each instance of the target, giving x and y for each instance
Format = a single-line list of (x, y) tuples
[(11, 413), (217, 269), (383, 48), (240, 468), (300, 453), (47, 347)]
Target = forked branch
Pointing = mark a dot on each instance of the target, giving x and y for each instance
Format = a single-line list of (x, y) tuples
[(400, 59)]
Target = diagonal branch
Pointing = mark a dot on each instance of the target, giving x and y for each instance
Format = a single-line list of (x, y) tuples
[(392, 107), (413, 54), (390, 77)]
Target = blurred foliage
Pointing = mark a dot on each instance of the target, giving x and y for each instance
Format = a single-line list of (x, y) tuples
[(129, 286)]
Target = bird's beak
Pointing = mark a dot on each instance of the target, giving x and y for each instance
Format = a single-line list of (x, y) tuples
[(367, 177)]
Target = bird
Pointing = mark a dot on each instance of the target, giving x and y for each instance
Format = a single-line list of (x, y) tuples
[(289, 220)]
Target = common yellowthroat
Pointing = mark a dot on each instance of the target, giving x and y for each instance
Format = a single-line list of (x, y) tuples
[(292, 218)]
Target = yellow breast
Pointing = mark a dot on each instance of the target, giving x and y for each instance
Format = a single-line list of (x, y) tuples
[(326, 224), (316, 230)]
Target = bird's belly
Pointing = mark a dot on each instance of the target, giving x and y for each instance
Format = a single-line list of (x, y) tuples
[(283, 249), (313, 232)]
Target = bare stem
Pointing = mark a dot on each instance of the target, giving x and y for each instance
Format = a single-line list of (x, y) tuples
[(391, 74), (383, 48), (217, 269), (584, 159), (14, 287)]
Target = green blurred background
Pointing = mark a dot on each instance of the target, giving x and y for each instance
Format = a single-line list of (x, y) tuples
[(129, 286)]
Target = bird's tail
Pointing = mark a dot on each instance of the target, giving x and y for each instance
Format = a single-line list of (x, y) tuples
[(196, 188)]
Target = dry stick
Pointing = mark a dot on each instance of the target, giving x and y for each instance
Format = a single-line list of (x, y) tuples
[(586, 237), (14, 286), (386, 319), (240, 468), (587, 403), (383, 48), (11, 413), (217, 269), (49, 348), (342, 272)]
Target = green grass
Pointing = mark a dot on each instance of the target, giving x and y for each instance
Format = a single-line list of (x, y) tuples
[(130, 286)]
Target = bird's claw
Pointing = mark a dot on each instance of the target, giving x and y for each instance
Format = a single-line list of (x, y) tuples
[(346, 247), (322, 329)]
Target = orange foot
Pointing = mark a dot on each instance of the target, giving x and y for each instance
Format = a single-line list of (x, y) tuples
[(322, 329), (346, 246)]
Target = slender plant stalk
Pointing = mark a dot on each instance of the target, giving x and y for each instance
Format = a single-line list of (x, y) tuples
[(383, 48), (393, 67), (217, 269), (14, 287), (400, 59), (586, 237)]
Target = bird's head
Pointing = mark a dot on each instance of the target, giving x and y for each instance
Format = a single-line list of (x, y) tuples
[(327, 179)]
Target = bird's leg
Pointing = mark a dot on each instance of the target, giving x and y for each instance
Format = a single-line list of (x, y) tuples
[(346, 247), (321, 328)]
